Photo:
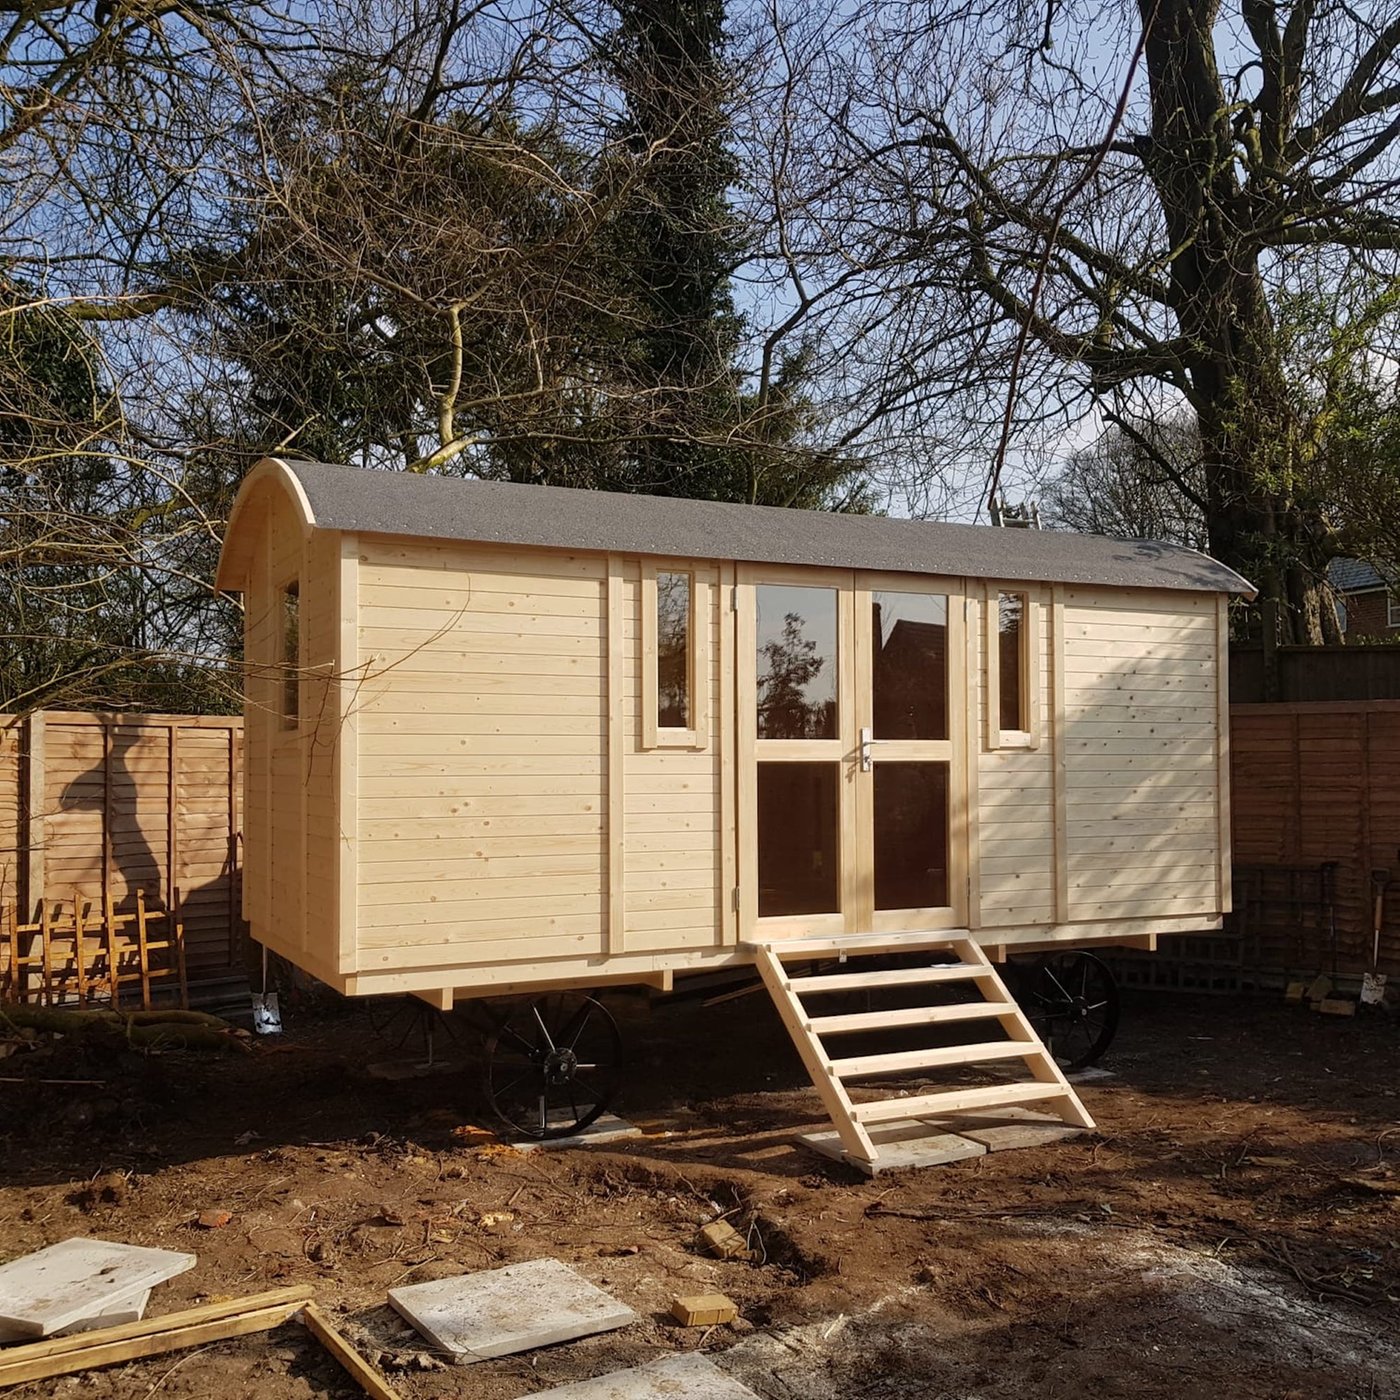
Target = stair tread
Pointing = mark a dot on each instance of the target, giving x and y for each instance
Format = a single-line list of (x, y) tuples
[(935, 1057), (851, 1022), (890, 977), (956, 1100)]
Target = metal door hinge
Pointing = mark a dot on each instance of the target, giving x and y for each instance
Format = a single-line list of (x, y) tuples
[(734, 899)]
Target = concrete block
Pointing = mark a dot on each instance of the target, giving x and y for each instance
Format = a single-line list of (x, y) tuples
[(704, 1310), (79, 1282), (998, 1129), (499, 1312), (724, 1241), (902, 1146), (689, 1377), (608, 1127)]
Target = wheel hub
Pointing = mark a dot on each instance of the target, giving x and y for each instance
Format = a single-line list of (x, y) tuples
[(560, 1066)]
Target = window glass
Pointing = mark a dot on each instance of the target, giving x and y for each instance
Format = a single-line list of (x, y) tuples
[(910, 637), (911, 835), (1011, 622), (673, 651), (798, 842), (796, 662), (291, 655)]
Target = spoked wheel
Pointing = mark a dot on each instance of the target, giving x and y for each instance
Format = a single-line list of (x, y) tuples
[(409, 1025), (1071, 999), (553, 1065)]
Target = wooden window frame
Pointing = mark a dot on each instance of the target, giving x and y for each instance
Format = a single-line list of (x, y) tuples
[(996, 736), (697, 735)]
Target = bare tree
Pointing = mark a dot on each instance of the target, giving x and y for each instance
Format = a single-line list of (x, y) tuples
[(1054, 208)]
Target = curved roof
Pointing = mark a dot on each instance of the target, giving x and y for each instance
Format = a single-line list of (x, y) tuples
[(449, 508)]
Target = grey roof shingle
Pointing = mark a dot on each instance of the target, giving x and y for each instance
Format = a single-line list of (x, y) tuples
[(1354, 576), (449, 508)]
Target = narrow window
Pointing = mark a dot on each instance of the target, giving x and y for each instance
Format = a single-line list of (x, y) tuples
[(291, 656), (673, 651), (1011, 651)]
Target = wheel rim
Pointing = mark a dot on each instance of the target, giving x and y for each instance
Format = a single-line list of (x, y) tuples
[(1072, 1001), (409, 1025), (552, 1066)]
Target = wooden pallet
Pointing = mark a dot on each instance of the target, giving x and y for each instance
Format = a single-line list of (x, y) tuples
[(91, 956), (798, 998)]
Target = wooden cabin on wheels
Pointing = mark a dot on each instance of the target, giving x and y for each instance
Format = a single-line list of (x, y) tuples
[(508, 739)]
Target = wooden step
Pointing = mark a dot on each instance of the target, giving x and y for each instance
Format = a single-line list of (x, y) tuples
[(926, 1017), (902, 1016), (891, 977), (956, 1101), (936, 1057), (862, 944)]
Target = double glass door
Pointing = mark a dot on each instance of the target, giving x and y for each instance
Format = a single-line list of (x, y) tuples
[(849, 752)]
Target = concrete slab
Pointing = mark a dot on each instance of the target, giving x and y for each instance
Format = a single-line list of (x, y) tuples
[(128, 1310), (902, 1146), (998, 1129), (499, 1312), (688, 1377), (44, 1294), (608, 1127)]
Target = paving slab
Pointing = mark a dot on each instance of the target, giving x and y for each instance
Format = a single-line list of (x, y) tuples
[(44, 1294), (998, 1129), (499, 1312), (689, 1377), (902, 1145), (128, 1310), (608, 1127)]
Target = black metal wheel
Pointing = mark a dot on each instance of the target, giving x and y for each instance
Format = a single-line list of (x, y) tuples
[(409, 1025), (552, 1065), (1071, 999)]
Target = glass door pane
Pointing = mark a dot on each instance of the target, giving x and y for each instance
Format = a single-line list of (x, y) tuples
[(911, 835), (909, 649), (797, 662), (799, 844)]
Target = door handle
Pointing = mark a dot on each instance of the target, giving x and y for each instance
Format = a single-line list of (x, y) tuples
[(867, 757)]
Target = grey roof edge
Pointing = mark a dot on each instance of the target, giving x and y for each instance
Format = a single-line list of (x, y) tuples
[(370, 501)]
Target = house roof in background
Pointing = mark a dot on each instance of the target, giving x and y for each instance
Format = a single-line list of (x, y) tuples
[(1354, 576), (449, 508)]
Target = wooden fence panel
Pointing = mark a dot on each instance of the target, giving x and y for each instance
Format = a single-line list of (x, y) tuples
[(1312, 784), (101, 806)]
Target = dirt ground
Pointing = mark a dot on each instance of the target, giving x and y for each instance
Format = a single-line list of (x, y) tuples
[(1230, 1231)]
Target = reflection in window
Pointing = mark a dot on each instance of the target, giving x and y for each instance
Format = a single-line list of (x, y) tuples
[(910, 633), (911, 835), (796, 662), (798, 845), (291, 655), (1011, 623), (673, 651)]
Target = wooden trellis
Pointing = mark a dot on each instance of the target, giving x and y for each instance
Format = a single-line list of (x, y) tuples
[(90, 955)]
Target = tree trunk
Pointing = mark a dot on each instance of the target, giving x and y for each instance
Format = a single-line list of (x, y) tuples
[(1259, 520)]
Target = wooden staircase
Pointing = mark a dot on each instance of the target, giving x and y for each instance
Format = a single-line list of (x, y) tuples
[(798, 999)]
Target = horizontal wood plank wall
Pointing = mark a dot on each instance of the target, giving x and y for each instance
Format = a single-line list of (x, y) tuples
[(1314, 783), (673, 806), (1015, 839), (482, 761), (1140, 754), (128, 802)]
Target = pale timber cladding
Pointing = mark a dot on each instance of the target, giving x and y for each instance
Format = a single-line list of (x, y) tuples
[(467, 797)]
